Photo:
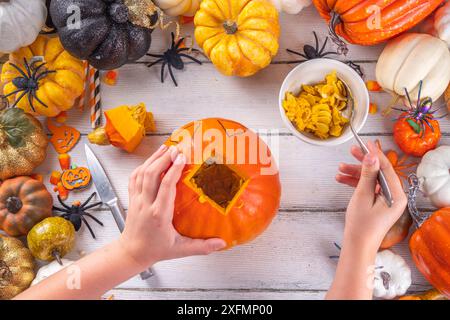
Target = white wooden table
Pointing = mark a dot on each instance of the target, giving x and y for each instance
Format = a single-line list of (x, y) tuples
[(291, 259)]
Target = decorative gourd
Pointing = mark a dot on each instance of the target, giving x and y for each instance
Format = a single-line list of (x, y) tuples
[(20, 23), (371, 22), (111, 32), (50, 269), (125, 127), (16, 267), (51, 239), (240, 36), (232, 194), (55, 84), (392, 275), (434, 175), (23, 203), (291, 6), (176, 8), (442, 23), (412, 58), (430, 248), (23, 143)]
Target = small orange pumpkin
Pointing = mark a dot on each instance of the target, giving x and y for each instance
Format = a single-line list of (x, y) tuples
[(224, 191), (23, 203), (76, 178)]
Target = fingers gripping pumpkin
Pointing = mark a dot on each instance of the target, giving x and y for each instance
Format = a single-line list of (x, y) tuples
[(239, 36), (45, 87), (224, 190)]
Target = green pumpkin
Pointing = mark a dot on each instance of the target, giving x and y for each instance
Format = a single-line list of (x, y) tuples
[(108, 35)]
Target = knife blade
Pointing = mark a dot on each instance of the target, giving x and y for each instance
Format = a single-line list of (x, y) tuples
[(108, 196)]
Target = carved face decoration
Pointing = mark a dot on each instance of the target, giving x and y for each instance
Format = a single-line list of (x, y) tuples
[(64, 138), (76, 178)]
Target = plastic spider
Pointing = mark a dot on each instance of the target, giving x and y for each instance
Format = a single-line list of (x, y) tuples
[(28, 83), (310, 52), (75, 214), (420, 114), (173, 58)]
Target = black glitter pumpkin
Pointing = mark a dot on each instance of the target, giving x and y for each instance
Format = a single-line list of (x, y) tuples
[(105, 36)]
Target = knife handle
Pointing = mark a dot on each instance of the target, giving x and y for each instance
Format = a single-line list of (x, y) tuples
[(120, 216)]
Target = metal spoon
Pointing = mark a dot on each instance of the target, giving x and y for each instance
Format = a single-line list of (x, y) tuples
[(386, 191)]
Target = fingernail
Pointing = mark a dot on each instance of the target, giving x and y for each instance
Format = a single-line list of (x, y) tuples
[(173, 152), (181, 159), (219, 246), (163, 147), (370, 160)]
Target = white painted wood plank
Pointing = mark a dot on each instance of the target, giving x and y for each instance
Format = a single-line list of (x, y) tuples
[(293, 254)]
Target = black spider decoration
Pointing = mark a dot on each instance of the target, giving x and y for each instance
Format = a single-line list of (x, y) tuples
[(310, 52), (75, 214), (173, 58), (28, 83)]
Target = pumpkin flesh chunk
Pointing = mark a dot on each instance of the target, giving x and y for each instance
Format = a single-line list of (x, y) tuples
[(218, 182)]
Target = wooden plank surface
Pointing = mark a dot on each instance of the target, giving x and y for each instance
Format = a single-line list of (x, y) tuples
[(290, 260)]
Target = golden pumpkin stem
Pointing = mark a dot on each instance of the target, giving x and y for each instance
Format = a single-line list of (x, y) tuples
[(230, 27), (99, 137)]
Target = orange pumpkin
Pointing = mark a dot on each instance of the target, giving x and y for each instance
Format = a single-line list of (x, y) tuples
[(369, 22), (226, 189), (415, 143), (430, 249)]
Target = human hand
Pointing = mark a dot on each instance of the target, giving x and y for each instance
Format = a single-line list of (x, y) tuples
[(149, 234), (368, 217)]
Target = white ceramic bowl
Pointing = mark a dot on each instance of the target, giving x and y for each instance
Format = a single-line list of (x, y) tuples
[(313, 72)]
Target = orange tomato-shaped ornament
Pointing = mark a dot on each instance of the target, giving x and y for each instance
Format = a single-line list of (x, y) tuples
[(230, 187)]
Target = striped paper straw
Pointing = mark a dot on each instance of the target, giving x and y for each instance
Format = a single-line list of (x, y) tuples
[(82, 101), (95, 104)]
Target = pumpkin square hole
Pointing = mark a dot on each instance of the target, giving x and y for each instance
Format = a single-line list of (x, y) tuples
[(219, 182)]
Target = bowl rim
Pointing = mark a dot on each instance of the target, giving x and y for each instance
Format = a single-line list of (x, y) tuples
[(326, 142)]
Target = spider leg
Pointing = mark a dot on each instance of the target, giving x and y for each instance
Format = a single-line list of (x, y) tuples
[(317, 40), (409, 99), (39, 100), (420, 94), (20, 98), (179, 43), (63, 204), (400, 109), (43, 74), (93, 218), (162, 71), (323, 47), (172, 76), (88, 226), (88, 200), (187, 49), (428, 124), (38, 68), (30, 101), (20, 70), (155, 55), (297, 53), (27, 67), (189, 57), (12, 93), (328, 54), (173, 39), (92, 206), (154, 62)]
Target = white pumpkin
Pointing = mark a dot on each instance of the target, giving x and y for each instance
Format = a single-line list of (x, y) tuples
[(176, 8), (20, 23), (434, 176), (392, 275), (50, 269), (413, 57), (291, 6), (442, 23)]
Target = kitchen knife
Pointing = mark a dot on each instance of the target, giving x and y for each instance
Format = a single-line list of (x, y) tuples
[(108, 196)]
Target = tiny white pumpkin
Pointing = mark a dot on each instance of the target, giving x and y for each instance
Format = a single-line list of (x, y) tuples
[(392, 275), (50, 269), (410, 58), (20, 23), (442, 23), (176, 8), (291, 6), (434, 175)]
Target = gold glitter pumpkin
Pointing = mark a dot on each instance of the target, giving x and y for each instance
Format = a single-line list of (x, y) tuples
[(16, 267), (23, 143)]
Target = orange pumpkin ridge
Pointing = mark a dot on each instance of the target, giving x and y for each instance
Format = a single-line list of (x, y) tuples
[(244, 214)]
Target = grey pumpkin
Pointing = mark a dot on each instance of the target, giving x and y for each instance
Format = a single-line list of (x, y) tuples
[(106, 37)]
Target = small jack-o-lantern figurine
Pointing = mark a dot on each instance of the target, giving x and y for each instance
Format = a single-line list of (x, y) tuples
[(76, 178), (64, 138)]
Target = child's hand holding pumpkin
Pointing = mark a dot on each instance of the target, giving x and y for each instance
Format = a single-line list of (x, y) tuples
[(149, 234)]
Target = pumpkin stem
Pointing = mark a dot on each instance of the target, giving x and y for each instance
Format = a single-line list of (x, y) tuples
[(57, 256), (5, 272), (386, 278), (414, 185), (118, 12), (230, 27), (99, 137), (14, 204), (335, 21)]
